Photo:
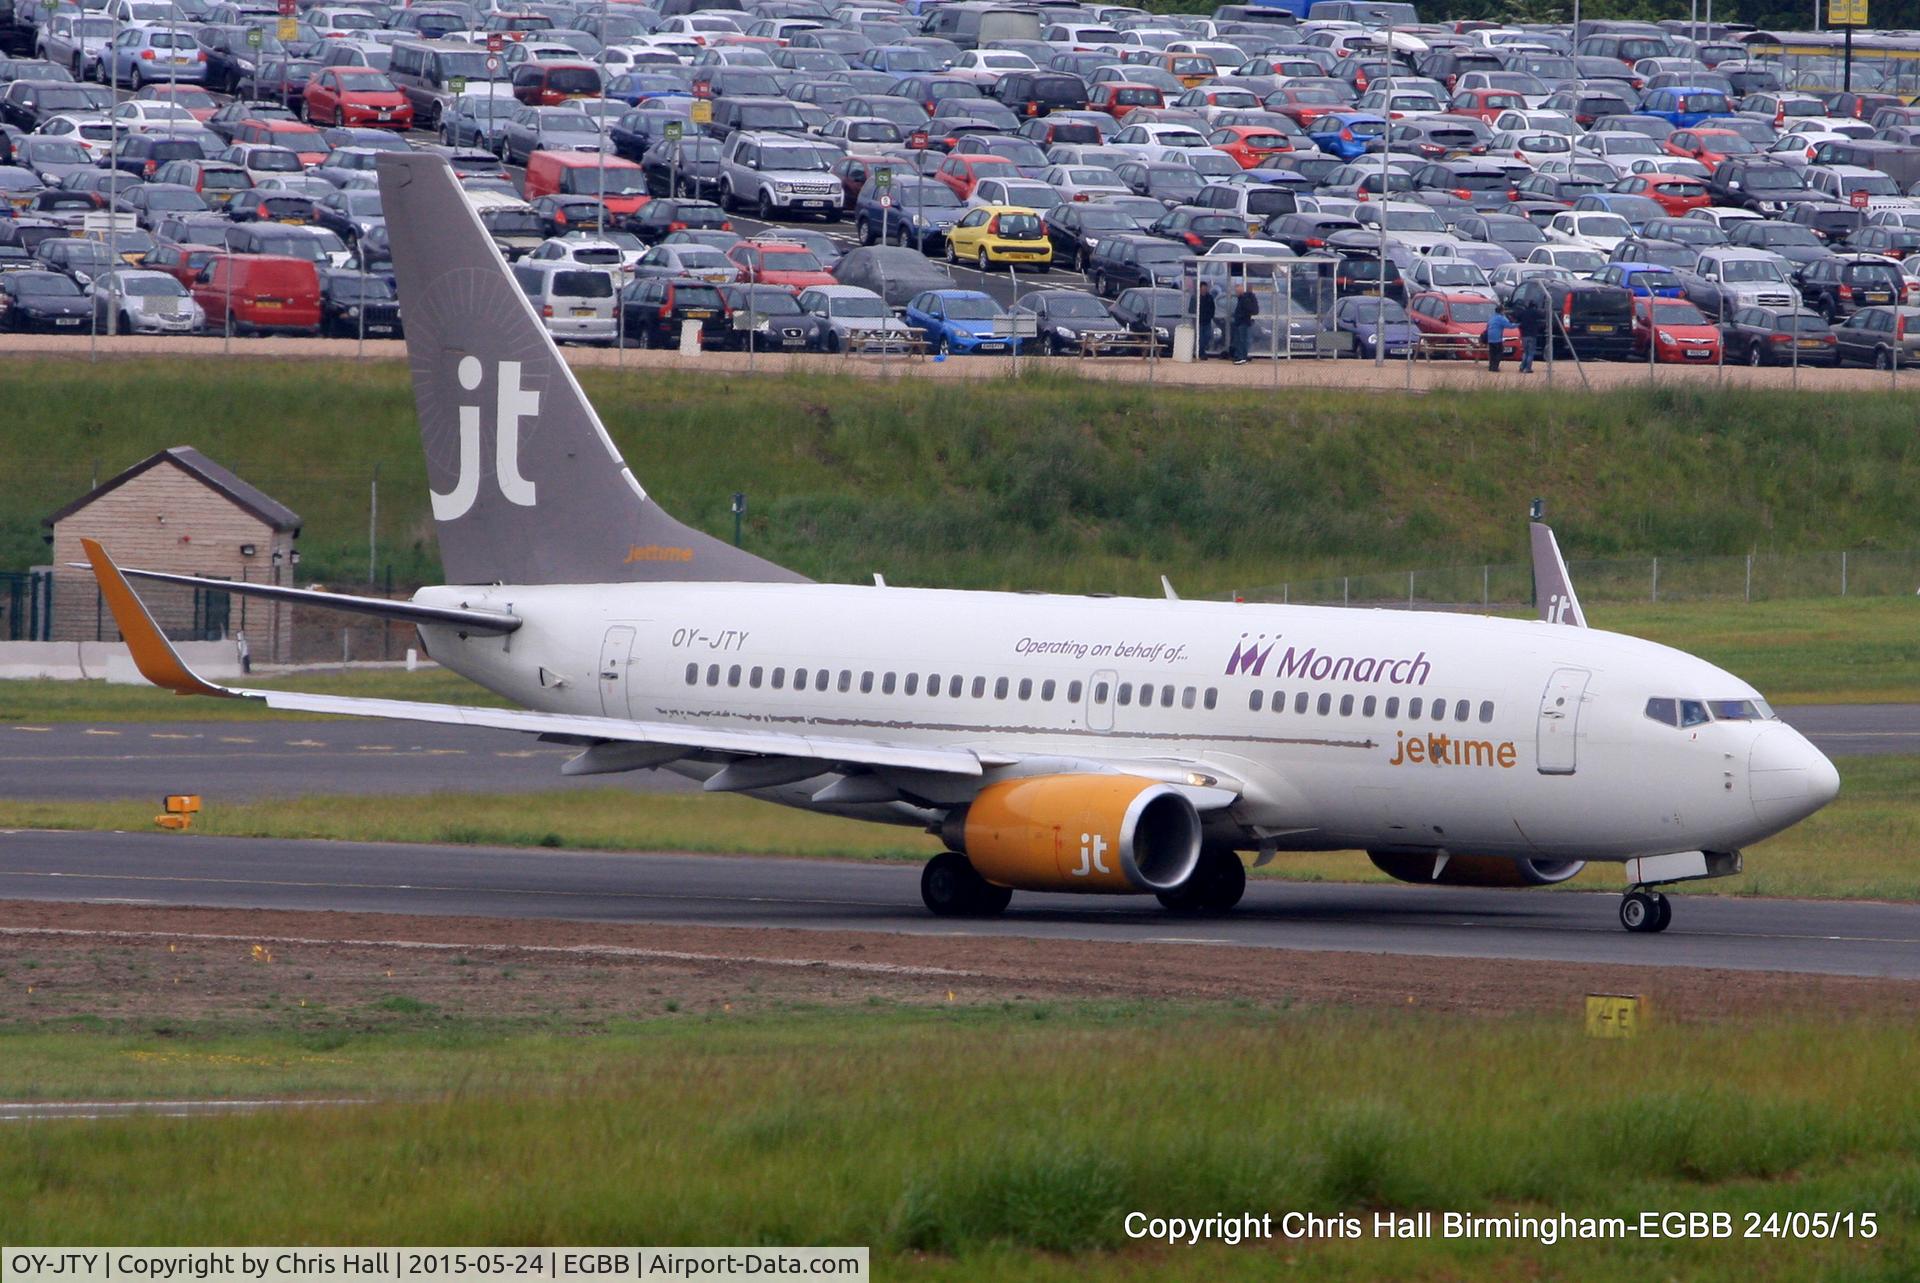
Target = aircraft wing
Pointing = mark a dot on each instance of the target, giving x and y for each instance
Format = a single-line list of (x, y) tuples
[(160, 664)]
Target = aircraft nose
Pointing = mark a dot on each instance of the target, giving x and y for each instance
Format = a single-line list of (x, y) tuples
[(1790, 779)]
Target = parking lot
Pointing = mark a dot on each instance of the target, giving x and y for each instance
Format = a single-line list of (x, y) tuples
[(1097, 183)]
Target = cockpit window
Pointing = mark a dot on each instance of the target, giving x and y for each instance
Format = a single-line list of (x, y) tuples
[(1693, 712), (1740, 710), (1664, 711)]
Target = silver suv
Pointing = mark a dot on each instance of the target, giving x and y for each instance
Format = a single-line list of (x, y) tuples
[(779, 174)]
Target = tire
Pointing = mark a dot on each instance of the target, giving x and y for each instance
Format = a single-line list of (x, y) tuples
[(944, 348), (1640, 912), (727, 201), (831, 216), (765, 210), (952, 258), (126, 324), (951, 888), (831, 342), (1755, 357), (1666, 912), (981, 261), (1883, 358), (867, 236)]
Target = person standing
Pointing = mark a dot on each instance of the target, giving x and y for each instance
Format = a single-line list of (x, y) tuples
[(1497, 327), (1203, 336), (1245, 308)]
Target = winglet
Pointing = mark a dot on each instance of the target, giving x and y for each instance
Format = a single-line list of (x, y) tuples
[(1553, 594), (153, 654)]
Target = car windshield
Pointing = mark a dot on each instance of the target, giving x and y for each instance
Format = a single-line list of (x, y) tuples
[(1580, 260), (1604, 225), (1472, 312), (858, 306), (971, 308), (364, 80), (1678, 312), (511, 222), (360, 289), (1019, 226), (566, 122), (793, 158), (1443, 272), (51, 285), (583, 284), (1772, 179), (1369, 310), (1162, 252), (1802, 322), (74, 98), (1751, 269), (792, 260), (765, 301), (56, 151), (1076, 306), (924, 195), (619, 182)]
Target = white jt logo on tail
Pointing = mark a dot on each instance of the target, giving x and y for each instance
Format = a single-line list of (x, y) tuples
[(511, 405), (1092, 847), (1557, 607)]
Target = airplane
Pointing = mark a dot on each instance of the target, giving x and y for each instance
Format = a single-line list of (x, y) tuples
[(1056, 743)]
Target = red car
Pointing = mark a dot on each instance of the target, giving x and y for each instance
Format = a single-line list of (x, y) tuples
[(1685, 335), (359, 96), (1307, 105), (1117, 98), (1485, 104), (1250, 144), (963, 173), (192, 99), (1463, 316), (1675, 193), (304, 141), (778, 263), (1708, 146)]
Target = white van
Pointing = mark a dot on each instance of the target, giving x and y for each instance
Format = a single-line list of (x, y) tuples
[(575, 303)]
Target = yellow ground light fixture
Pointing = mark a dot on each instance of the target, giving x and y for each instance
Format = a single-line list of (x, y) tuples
[(179, 808)]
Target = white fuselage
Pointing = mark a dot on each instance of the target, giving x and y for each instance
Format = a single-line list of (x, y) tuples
[(1375, 729)]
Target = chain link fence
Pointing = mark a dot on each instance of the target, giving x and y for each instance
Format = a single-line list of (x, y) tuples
[(1620, 581)]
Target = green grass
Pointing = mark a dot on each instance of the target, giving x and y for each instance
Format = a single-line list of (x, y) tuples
[(1048, 482), (1860, 847), (40, 702), (1004, 1143)]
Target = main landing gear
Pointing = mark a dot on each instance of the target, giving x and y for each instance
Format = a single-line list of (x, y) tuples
[(1215, 886), (952, 888), (1644, 910)]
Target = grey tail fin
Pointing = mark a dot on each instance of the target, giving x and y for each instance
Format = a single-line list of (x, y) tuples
[(527, 486), (1553, 594)]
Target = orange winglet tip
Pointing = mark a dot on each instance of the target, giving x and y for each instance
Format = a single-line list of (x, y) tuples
[(153, 654)]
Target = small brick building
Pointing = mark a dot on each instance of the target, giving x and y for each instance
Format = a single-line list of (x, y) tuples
[(181, 512)]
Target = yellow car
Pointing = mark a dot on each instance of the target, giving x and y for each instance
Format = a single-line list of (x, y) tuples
[(999, 236)]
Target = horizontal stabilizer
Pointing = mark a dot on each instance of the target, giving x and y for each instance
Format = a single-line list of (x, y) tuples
[(474, 621)]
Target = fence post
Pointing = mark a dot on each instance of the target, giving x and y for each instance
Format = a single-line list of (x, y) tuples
[(1656, 579), (1286, 592), (1486, 585), (1410, 590), (1749, 579), (1843, 573), (1346, 596)]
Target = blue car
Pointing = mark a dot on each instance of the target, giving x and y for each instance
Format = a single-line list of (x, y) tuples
[(1643, 279), (1372, 322), (917, 212), (1685, 106), (636, 87), (958, 321), (1346, 133)]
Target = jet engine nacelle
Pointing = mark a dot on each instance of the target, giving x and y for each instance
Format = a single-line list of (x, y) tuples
[(1476, 870), (1117, 834)]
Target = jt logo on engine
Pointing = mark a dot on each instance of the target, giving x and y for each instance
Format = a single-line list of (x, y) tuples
[(1092, 848), (511, 404)]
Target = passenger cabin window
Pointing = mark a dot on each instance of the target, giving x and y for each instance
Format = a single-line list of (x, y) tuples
[(1126, 694), (1462, 709), (846, 680), (979, 687), (820, 679), (954, 684), (866, 683), (1026, 688), (1187, 696), (1047, 689), (1073, 693), (913, 683), (1213, 697), (756, 676), (733, 675), (1300, 702), (799, 679), (886, 684), (713, 674), (999, 688), (693, 674), (933, 685), (1368, 705), (1325, 705), (1099, 692), (1393, 706), (1413, 708), (779, 679), (1166, 697), (1258, 700), (1486, 710)]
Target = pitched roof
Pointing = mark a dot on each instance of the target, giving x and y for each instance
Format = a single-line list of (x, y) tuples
[(207, 472)]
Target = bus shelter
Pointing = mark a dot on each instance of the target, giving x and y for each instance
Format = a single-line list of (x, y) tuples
[(1296, 297)]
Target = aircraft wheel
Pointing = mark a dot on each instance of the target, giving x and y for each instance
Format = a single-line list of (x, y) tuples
[(1216, 885), (952, 889), (1645, 911)]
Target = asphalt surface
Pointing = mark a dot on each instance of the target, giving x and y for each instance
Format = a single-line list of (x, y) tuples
[(1826, 937), (241, 761), (244, 760)]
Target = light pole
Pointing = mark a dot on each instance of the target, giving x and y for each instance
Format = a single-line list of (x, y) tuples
[(1386, 150)]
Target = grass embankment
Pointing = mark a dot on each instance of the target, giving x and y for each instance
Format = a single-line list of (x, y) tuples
[(1860, 847), (1004, 1143), (1046, 482)]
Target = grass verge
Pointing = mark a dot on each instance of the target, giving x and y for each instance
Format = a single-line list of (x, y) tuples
[(1004, 1143), (1860, 847)]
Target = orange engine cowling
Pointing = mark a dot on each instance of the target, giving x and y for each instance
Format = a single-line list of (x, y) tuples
[(1476, 870), (1117, 834)]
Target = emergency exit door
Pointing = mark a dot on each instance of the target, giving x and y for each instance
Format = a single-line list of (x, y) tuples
[(616, 654), (1558, 737)]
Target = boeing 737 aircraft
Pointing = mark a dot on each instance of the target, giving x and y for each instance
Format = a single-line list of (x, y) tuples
[(1056, 743)]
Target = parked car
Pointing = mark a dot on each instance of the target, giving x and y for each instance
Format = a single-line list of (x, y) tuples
[(1000, 235), (846, 317), (145, 301), (654, 309), (1681, 332), (51, 302), (1373, 325), (259, 294), (955, 322), (1780, 336), (354, 303), (1883, 337), (895, 274), (1072, 321)]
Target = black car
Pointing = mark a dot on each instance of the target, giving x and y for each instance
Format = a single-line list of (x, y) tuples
[(142, 154), (653, 308), (29, 104), (689, 166), (1308, 233), (1039, 93), (1124, 262), (1889, 242), (1076, 229), (1168, 183), (1779, 336), (1640, 249), (1830, 221), (1152, 311), (280, 80), (1844, 283), (1199, 230), (1762, 186), (350, 301), (1066, 318), (45, 301), (778, 323), (659, 219), (1587, 319), (560, 213)]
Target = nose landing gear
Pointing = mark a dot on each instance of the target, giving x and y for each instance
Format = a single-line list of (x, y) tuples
[(1644, 910)]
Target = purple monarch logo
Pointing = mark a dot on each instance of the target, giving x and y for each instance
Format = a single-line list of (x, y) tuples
[(1249, 659)]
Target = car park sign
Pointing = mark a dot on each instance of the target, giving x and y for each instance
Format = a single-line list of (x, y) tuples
[(701, 111), (674, 131)]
